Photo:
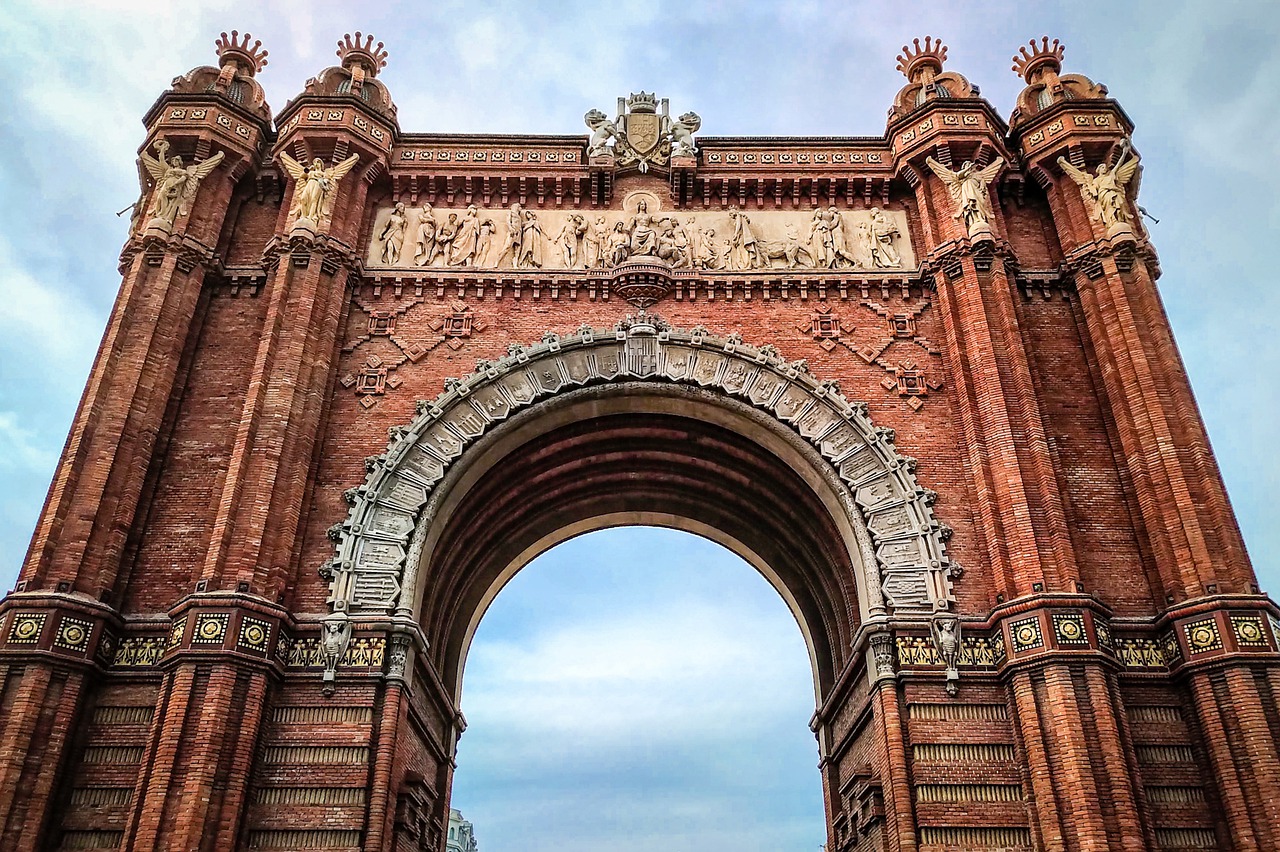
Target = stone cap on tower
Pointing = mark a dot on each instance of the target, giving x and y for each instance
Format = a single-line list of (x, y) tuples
[(360, 58), (922, 65), (240, 57), (238, 53), (1039, 65)]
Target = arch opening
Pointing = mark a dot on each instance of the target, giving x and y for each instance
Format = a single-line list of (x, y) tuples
[(641, 424), (628, 702)]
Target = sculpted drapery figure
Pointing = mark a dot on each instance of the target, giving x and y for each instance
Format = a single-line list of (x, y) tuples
[(880, 234), (175, 184), (969, 193), (315, 185), (426, 248), (744, 252), (644, 237), (445, 235), (839, 245), (530, 256), (463, 252), (392, 235), (619, 243), (1106, 192), (596, 244)]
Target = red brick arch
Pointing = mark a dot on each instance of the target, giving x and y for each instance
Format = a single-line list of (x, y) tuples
[(641, 424)]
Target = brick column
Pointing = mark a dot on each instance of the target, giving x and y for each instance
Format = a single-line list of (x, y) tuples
[(70, 577)]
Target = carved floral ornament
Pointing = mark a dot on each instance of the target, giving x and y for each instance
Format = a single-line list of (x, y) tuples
[(911, 573)]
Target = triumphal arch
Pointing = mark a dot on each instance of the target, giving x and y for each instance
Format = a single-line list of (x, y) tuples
[(357, 377)]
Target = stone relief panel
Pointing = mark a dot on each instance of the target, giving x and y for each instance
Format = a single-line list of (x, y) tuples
[(516, 237)]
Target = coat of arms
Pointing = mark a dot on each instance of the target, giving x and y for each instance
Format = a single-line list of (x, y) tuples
[(643, 134)]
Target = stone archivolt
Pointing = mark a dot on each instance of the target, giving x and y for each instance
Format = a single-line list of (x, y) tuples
[(912, 573)]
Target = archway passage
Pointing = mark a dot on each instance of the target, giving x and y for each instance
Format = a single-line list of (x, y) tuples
[(639, 425), (794, 444), (625, 455), (615, 700)]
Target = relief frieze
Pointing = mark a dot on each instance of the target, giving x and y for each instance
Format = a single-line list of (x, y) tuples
[(425, 237)]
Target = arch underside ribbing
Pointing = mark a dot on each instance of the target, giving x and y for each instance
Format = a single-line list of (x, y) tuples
[(589, 430)]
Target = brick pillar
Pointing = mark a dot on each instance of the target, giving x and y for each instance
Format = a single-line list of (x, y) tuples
[(1192, 547), (74, 561), (1066, 707)]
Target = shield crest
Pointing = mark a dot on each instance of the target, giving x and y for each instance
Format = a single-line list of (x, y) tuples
[(644, 130)]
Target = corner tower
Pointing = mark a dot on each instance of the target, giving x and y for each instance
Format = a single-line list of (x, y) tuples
[(357, 378)]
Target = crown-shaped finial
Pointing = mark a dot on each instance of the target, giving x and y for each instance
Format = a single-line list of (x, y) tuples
[(1041, 56), (642, 102), (252, 58), (372, 58), (913, 61)]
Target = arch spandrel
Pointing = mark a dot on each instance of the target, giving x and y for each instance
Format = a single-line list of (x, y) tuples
[(888, 519)]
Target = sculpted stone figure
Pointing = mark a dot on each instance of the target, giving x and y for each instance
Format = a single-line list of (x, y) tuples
[(823, 251), (602, 130), (392, 235), (596, 244), (694, 236), (463, 252), (744, 252), (315, 185), (968, 189), (619, 243), (530, 256), (946, 638), (1106, 192), (839, 245), (484, 241), (335, 635), (880, 233), (175, 185), (682, 130), (426, 248), (567, 240), (644, 236), (444, 239)]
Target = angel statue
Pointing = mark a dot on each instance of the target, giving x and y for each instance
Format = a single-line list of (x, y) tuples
[(1107, 190), (682, 130), (602, 130), (175, 185), (315, 184), (968, 188)]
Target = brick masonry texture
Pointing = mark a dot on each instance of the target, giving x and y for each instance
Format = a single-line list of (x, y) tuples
[(164, 664)]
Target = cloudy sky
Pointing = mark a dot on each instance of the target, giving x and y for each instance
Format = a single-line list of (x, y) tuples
[(639, 757)]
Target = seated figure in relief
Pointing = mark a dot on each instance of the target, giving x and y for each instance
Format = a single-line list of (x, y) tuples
[(644, 236)]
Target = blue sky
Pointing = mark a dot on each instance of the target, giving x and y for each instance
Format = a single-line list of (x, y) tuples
[(1199, 80)]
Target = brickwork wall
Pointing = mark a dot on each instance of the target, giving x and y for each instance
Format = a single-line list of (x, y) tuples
[(164, 674)]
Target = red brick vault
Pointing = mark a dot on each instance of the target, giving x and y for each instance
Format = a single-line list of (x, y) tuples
[(860, 363)]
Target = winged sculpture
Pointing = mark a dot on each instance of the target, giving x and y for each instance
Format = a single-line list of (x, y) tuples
[(968, 189), (1106, 191), (175, 184), (314, 184)]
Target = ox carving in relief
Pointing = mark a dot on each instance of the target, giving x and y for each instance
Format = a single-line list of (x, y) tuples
[(730, 241)]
